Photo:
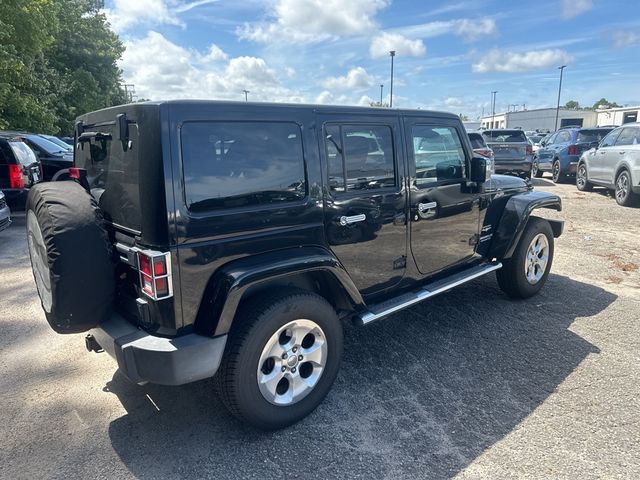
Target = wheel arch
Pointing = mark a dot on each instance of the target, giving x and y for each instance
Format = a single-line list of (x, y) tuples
[(309, 268), (514, 218)]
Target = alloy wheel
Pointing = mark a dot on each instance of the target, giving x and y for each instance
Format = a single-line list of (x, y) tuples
[(622, 187), (581, 179), (556, 171), (537, 257)]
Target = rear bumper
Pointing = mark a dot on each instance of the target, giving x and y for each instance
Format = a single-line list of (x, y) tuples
[(145, 358), (512, 166)]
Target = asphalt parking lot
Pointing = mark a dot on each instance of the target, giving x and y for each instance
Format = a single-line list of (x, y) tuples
[(470, 384)]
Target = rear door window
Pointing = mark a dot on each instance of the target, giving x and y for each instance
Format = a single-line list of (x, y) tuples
[(242, 164), (563, 137)]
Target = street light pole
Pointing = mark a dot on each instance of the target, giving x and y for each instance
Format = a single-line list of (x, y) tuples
[(559, 90), (246, 98), (392, 53), (381, 87), (493, 108)]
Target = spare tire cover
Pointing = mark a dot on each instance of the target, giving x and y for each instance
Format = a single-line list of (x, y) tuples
[(71, 256)]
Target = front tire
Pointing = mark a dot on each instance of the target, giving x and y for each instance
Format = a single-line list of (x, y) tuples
[(526, 272), (535, 170), (282, 358), (582, 183), (624, 195)]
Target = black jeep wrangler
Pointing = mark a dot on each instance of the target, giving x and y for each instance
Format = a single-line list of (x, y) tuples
[(199, 239)]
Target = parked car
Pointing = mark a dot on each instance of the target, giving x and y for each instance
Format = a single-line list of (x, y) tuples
[(19, 167), (58, 141), (5, 213), (513, 153), (67, 140), (480, 147), (559, 154), (52, 157), (534, 140), (243, 250), (614, 164)]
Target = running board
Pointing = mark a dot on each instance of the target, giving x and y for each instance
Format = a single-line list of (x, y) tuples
[(401, 302)]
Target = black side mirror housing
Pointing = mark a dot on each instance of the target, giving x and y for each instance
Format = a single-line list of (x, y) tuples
[(479, 171)]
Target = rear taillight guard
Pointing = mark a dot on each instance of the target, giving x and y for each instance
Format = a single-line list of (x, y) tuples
[(154, 270)]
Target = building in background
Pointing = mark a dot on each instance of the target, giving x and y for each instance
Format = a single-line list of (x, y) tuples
[(540, 119), (618, 116)]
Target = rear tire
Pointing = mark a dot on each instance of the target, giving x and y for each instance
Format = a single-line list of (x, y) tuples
[(525, 273), (582, 183), (556, 172), (70, 256), (535, 170), (623, 192), (256, 382)]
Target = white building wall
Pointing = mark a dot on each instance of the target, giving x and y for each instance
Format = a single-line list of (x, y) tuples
[(618, 116), (543, 119)]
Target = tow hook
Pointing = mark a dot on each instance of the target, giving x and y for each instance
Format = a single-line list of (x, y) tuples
[(92, 344)]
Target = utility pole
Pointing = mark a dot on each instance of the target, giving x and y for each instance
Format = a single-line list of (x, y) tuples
[(493, 108), (559, 90), (246, 92), (392, 53), (381, 87), (129, 91)]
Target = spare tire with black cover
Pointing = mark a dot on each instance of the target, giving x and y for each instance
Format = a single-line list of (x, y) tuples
[(71, 256)]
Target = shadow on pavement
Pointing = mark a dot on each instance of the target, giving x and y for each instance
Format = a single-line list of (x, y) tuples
[(420, 395), (541, 182)]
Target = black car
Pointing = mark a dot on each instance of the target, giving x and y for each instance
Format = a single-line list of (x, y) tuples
[(233, 239), (53, 157), (19, 167)]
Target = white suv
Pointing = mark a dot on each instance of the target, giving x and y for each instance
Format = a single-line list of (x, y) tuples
[(614, 164)]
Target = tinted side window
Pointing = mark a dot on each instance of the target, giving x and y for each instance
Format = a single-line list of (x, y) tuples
[(438, 154), (628, 136), (610, 139), (360, 157), (240, 164), (563, 137)]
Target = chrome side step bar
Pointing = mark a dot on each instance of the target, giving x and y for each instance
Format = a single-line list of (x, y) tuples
[(393, 305)]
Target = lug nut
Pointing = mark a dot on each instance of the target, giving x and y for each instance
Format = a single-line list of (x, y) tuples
[(294, 349), (293, 370), (284, 356), (284, 369), (300, 357)]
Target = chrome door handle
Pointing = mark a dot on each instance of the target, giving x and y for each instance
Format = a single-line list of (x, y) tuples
[(423, 207), (344, 220)]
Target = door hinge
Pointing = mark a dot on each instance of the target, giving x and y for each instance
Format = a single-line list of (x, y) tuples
[(400, 263)]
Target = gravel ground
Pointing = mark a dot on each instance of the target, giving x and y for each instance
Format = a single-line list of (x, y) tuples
[(469, 385)]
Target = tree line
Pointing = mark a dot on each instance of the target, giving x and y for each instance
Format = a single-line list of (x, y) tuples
[(602, 103), (58, 59)]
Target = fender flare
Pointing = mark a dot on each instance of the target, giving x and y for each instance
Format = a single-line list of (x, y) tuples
[(234, 279), (514, 219)]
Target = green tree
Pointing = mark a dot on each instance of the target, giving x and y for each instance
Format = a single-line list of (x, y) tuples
[(604, 103), (572, 104), (463, 117)]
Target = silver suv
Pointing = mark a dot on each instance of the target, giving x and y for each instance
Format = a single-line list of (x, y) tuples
[(614, 164)]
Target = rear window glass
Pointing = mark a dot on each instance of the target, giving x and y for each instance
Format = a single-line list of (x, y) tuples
[(113, 177), (45, 144), (23, 153), (505, 136), (476, 140), (242, 164), (591, 136)]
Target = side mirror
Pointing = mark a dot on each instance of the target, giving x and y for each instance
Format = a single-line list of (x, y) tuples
[(480, 170)]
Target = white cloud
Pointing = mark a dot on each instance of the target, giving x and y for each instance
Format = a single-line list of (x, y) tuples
[(314, 20), (160, 69), (573, 8), (127, 13), (470, 29), (503, 61), (356, 79), (453, 102), (215, 54), (325, 97), (384, 42), (625, 38)]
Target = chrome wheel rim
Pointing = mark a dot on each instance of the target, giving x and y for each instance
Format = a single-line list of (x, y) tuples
[(535, 263), (38, 253), (534, 169), (582, 176), (292, 362), (556, 171), (622, 187)]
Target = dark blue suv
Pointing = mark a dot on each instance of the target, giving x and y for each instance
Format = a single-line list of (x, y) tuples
[(559, 154)]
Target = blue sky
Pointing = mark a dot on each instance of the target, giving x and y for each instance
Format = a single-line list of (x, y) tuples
[(450, 55)]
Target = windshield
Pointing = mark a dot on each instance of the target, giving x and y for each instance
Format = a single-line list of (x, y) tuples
[(45, 145), (592, 136), (23, 153), (505, 136), (57, 141)]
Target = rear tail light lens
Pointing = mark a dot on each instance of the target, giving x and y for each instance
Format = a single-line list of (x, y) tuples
[(16, 179), (74, 173), (529, 150), (155, 274), (574, 150)]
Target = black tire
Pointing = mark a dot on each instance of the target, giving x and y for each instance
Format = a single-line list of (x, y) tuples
[(556, 172), (623, 193), (512, 277), (535, 170), (257, 322), (70, 256), (582, 183)]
